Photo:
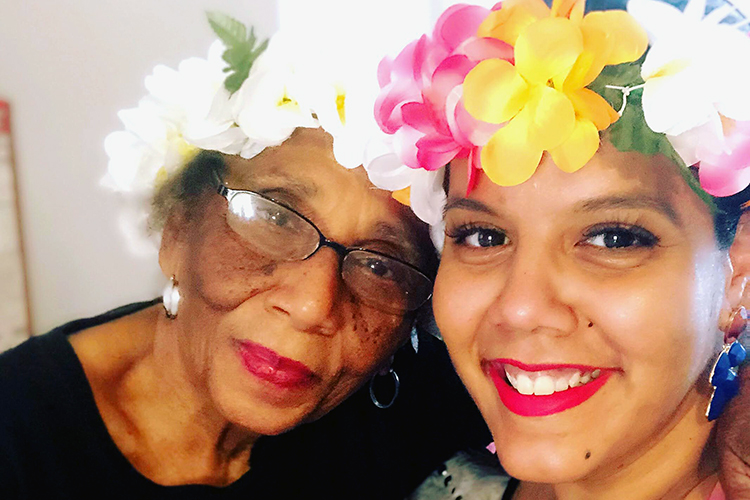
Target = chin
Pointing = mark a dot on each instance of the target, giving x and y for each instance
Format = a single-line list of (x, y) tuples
[(541, 460)]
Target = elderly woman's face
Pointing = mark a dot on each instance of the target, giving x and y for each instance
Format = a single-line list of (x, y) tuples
[(581, 310), (278, 343)]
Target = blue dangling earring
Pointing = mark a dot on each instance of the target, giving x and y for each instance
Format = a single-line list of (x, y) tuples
[(724, 373)]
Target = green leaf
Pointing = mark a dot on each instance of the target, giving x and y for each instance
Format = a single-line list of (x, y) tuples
[(241, 51), (630, 132), (229, 30)]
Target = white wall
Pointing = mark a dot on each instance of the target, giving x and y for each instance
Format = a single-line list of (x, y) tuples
[(68, 66)]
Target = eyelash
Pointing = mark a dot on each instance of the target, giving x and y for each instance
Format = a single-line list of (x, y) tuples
[(462, 233), (641, 238)]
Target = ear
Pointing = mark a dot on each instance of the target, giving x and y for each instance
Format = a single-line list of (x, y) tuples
[(173, 243), (739, 255)]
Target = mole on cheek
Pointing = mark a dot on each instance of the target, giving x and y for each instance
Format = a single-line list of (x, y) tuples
[(269, 269)]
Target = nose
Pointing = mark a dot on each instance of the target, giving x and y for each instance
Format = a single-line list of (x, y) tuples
[(533, 296), (309, 293)]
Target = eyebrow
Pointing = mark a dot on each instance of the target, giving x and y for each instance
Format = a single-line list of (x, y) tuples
[(399, 238), (632, 201), (289, 187), (467, 204), (609, 202)]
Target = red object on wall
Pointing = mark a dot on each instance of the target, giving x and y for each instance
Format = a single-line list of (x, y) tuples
[(4, 117)]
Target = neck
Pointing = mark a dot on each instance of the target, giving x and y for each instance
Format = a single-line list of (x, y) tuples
[(680, 464), (179, 435)]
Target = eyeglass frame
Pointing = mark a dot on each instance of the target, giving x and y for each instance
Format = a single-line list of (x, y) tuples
[(341, 250)]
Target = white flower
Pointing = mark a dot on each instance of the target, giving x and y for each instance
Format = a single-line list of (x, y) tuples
[(269, 106), (149, 150), (168, 125), (386, 171), (695, 73)]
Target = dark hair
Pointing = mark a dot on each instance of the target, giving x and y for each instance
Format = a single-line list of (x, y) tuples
[(186, 189), (727, 216)]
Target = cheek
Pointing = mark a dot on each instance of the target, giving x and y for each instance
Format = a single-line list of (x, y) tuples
[(654, 320), (374, 338), (460, 301), (222, 271), (372, 341)]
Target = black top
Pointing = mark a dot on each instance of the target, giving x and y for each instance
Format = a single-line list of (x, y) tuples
[(54, 444)]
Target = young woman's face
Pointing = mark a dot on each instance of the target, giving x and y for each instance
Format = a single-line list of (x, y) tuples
[(581, 310), (272, 343)]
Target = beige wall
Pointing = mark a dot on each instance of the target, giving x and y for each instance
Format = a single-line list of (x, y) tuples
[(68, 66)]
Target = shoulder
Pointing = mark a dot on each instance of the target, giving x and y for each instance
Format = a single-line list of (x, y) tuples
[(469, 475), (35, 366)]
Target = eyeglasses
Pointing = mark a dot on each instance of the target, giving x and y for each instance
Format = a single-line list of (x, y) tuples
[(282, 234)]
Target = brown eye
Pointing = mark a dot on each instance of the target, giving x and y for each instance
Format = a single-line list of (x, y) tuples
[(477, 237), (620, 237)]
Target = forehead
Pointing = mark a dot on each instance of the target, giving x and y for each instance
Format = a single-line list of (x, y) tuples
[(611, 175), (346, 207)]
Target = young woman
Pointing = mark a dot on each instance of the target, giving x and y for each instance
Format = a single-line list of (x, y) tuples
[(589, 277)]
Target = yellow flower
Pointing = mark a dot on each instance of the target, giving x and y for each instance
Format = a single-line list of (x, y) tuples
[(543, 99)]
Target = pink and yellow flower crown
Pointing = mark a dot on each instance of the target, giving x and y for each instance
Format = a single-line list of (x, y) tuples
[(502, 86)]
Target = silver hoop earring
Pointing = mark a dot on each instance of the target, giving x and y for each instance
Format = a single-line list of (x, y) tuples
[(396, 385), (171, 298)]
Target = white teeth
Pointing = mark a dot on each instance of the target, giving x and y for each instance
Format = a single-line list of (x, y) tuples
[(546, 382), (544, 386), (561, 385), (524, 385)]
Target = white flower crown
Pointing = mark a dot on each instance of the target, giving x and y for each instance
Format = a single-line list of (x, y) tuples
[(241, 99)]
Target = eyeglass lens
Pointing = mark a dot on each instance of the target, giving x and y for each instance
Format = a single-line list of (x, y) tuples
[(282, 234)]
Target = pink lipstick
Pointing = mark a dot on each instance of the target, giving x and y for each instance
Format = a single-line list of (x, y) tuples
[(563, 386), (267, 365)]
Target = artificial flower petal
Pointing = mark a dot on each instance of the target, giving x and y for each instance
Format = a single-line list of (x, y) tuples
[(656, 17), (628, 39), (548, 49), (552, 118), (719, 180), (593, 107), (507, 23), (597, 47), (664, 105), (458, 23), (402, 196), (494, 92), (427, 197), (579, 148), (508, 159), (572, 9)]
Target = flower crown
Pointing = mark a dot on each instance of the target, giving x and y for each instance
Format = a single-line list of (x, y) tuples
[(244, 97), (501, 86)]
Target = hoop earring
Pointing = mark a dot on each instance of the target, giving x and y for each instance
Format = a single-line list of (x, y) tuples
[(171, 298), (723, 376), (396, 385)]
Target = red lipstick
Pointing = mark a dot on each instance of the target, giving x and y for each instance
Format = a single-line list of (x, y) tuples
[(267, 365), (540, 406)]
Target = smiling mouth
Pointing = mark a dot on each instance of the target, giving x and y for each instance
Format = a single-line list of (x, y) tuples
[(541, 390)]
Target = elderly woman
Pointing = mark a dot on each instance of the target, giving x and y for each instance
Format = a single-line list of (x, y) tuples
[(592, 288), (292, 282)]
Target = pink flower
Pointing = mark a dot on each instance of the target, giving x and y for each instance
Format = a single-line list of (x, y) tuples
[(420, 102), (727, 172)]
